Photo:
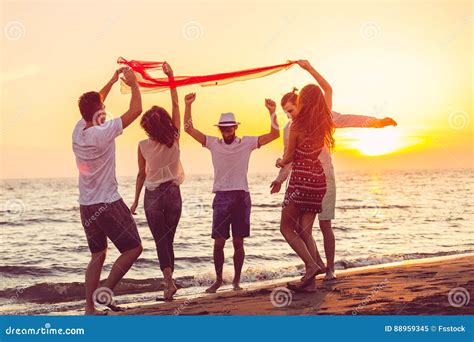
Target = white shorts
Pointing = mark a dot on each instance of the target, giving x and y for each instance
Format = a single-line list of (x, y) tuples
[(329, 199)]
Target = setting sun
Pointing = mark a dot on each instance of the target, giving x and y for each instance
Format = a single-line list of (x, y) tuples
[(377, 142), (300, 163)]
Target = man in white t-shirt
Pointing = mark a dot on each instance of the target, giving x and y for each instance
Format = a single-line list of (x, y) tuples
[(232, 203), (103, 212)]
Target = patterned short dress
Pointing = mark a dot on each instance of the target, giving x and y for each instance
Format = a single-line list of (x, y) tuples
[(307, 185)]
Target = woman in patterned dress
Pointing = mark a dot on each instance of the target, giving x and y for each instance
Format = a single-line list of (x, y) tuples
[(311, 130)]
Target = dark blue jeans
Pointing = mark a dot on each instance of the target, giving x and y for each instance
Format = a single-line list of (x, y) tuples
[(163, 211)]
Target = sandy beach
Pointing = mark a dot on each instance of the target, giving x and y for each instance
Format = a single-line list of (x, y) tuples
[(415, 287)]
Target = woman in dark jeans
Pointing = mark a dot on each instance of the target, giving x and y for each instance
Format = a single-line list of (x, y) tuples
[(161, 172)]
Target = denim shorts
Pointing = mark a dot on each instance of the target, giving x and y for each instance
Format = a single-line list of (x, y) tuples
[(231, 209), (109, 220)]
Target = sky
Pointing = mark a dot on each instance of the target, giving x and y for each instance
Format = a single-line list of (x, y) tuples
[(409, 60)]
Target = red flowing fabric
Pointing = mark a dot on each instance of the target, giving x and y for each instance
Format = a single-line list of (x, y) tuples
[(148, 83)]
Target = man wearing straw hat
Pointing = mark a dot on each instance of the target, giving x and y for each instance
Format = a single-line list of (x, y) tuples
[(232, 204)]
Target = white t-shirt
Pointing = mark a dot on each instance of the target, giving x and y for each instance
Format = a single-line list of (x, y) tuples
[(231, 162), (94, 149), (162, 163)]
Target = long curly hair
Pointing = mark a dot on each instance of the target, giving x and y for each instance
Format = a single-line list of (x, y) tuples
[(158, 126), (314, 116)]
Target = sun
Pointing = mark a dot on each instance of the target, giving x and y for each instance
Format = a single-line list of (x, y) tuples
[(376, 142)]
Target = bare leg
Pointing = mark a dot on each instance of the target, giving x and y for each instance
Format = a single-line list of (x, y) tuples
[(170, 287), (168, 275), (239, 256), (305, 231), (329, 246), (122, 265), (289, 217), (92, 280), (219, 244)]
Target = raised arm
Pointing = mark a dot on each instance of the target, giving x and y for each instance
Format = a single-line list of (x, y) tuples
[(135, 108), (274, 129), (188, 121), (325, 86), (175, 115), (106, 89), (353, 120), (141, 176)]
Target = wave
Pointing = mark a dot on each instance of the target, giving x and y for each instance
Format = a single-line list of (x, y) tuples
[(66, 292), (27, 222), (38, 209), (32, 270), (385, 259), (263, 205), (51, 293), (371, 206)]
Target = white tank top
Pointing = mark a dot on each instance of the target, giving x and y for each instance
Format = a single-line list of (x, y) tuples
[(162, 163)]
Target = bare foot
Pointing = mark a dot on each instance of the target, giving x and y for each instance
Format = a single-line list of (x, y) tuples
[(311, 273), (322, 267), (114, 307), (169, 291), (311, 287), (321, 271), (330, 275), (95, 312), (236, 287), (214, 287)]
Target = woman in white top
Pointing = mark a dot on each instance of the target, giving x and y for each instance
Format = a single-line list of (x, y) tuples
[(160, 170)]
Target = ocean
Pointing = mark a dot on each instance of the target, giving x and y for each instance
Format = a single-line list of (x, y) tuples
[(381, 217)]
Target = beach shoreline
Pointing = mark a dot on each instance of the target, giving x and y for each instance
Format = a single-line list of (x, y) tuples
[(430, 286)]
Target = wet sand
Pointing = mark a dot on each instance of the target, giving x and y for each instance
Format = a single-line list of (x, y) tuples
[(415, 287)]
